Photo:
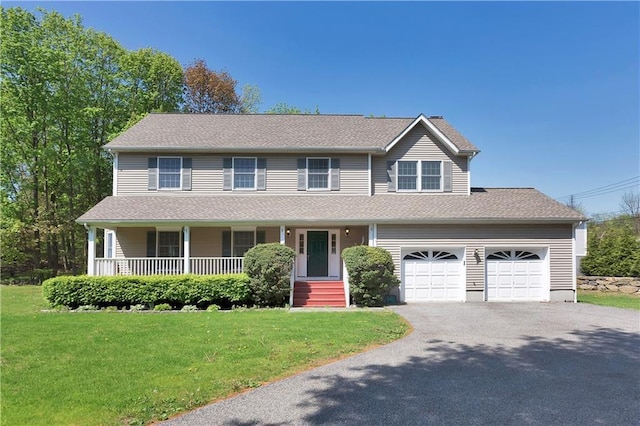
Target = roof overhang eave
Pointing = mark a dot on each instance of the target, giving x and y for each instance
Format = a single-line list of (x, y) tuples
[(260, 150)]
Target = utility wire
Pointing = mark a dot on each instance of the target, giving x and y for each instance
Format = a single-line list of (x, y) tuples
[(613, 187)]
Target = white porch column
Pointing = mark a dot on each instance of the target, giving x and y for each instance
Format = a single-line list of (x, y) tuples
[(187, 250), (373, 235), (91, 251), (283, 235)]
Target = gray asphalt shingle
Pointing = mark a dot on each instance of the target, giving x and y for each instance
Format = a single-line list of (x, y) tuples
[(270, 132), (483, 205)]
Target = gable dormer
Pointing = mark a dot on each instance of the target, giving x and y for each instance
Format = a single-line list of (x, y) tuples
[(428, 156)]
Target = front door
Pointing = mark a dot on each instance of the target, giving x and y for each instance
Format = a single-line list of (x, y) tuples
[(317, 253)]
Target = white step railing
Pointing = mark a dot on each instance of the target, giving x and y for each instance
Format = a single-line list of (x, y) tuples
[(168, 265)]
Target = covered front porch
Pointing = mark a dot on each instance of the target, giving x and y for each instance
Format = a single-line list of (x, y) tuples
[(158, 249)]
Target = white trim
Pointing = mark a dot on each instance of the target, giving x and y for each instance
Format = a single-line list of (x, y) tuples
[(369, 174), (333, 260), (115, 174), (255, 174), (91, 251), (179, 188), (243, 228), (187, 250), (109, 234), (283, 235), (574, 271), (306, 170), (438, 134), (468, 176)]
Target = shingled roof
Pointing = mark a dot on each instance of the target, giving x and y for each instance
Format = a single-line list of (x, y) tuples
[(271, 133), (484, 205)]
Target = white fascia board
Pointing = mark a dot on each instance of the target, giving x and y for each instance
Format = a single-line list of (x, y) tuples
[(425, 121)]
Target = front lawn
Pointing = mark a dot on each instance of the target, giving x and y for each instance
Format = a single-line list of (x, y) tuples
[(132, 368), (618, 300)]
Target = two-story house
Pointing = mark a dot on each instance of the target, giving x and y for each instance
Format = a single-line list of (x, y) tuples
[(192, 193)]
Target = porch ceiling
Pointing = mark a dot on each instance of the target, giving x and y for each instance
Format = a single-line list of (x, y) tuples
[(485, 205)]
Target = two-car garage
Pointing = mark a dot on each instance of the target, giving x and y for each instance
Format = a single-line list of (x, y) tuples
[(510, 274)]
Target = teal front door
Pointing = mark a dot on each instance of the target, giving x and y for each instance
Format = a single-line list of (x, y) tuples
[(317, 253)]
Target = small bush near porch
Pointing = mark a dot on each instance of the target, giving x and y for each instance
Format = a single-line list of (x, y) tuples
[(103, 368), (370, 274)]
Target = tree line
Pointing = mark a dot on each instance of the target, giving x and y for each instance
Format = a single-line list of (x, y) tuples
[(67, 90)]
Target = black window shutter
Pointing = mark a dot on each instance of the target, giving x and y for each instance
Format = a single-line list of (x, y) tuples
[(226, 243), (151, 243)]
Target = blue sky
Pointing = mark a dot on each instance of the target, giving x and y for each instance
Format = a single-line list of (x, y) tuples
[(549, 91)]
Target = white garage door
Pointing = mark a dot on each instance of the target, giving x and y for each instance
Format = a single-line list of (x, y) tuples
[(432, 275), (516, 275)]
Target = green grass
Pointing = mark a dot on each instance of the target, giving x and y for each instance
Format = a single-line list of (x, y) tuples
[(618, 300), (112, 368)]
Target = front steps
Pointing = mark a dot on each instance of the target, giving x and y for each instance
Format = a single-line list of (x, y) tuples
[(318, 294)]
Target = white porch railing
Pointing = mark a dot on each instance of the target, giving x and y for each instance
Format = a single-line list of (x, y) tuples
[(217, 265), (168, 265)]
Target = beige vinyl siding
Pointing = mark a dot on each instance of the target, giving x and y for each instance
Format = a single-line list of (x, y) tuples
[(132, 242), (418, 145), (206, 242), (485, 237), (207, 175)]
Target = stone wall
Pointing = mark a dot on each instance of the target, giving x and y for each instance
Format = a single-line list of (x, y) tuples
[(628, 285)]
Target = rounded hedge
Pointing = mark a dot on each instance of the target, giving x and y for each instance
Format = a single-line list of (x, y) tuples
[(371, 274), (269, 269)]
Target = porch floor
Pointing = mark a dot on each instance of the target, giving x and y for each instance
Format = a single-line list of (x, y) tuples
[(319, 293)]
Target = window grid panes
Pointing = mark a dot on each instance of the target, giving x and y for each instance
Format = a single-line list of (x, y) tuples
[(407, 175), (242, 242), (318, 173), (169, 172), (430, 175), (169, 244), (244, 173), (334, 243), (301, 244)]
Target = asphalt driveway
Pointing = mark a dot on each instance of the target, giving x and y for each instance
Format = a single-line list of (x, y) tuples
[(466, 363)]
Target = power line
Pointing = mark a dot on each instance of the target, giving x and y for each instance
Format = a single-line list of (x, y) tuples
[(613, 187)]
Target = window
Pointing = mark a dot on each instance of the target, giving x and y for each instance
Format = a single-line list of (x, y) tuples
[(169, 172), (431, 175), (318, 173), (407, 175), (242, 242), (334, 243), (168, 244), (244, 173), (109, 244), (301, 244), (237, 243)]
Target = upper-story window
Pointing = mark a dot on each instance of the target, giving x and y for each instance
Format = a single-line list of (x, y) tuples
[(244, 173), (318, 173), (169, 171), (414, 175), (407, 175), (173, 173), (431, 175)]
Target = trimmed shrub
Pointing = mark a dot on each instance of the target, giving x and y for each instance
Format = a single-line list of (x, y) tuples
[(269, 269), (162, 307), (371, 274), (175, 290)]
